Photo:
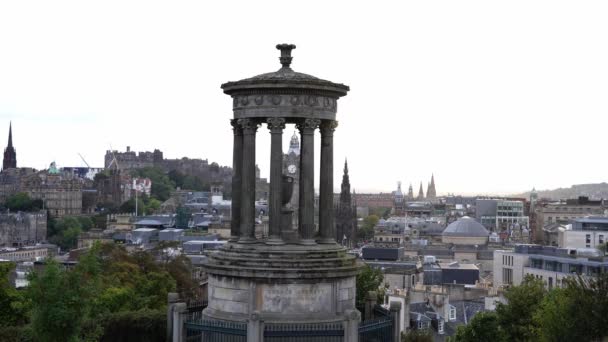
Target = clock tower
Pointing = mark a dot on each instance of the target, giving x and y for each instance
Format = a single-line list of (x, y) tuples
[(291, 168)]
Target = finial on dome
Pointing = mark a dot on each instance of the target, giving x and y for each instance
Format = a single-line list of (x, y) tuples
[(285, 54)]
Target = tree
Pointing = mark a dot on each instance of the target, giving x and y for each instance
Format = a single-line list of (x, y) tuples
[(12, 303), (577, 312), (483, 327), (366, 231), (162, 186), (417, 336), (65, 231), (369, 279), (22, 202), (516, 317), (60, 307)]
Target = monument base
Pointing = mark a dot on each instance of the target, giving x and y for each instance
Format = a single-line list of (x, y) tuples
[(287, 283)]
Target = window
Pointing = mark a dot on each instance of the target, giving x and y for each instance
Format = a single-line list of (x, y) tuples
[(588, 239), (452, 313), (601, 239), (440, 326)]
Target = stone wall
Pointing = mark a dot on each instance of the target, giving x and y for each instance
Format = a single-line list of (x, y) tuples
[(20, 229)]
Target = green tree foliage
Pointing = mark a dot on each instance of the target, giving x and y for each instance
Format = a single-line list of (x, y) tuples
[(188, 182), (61, 304), (516, 317), (111, 295), (366, 231), (417, 336), (145, 205), (369, 279), (577, 312), (483, 327), (22, 202), (162, 186), (64, 232), (12, 303)]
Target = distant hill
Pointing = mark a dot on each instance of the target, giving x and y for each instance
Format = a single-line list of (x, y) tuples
[(593, 191)]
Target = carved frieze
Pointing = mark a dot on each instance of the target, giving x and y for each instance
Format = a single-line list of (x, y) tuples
[(284, 100)]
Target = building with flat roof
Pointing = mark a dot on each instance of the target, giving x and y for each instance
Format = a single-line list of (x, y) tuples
[(548, 263)]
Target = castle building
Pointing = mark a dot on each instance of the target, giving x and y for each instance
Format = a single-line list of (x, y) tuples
[(10, 155), (346, 213)]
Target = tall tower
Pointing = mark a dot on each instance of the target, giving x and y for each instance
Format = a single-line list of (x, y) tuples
[(344, 211), (291, 168), (430, 191), (410, 193), (10, 156), (420, 193)]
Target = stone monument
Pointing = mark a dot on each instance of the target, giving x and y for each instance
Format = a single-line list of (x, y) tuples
[(304, 277)]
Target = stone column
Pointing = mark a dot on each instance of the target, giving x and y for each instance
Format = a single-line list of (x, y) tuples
[(327, 228), (306, 212), (255, 328), (370, 304), (180, 311), (237, 166), (351, 325), (395, 309), (249, 128), (276, 126)]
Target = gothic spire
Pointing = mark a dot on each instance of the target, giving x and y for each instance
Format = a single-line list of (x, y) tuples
[(420, 192), (10, 134), (345, 166), (10, 156)]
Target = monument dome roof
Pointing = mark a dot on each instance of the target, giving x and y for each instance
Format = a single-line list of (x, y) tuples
[(286, 78), (466, 226)]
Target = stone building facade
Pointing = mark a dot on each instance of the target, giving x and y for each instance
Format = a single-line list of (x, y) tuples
[(61, 193), (22, 229)]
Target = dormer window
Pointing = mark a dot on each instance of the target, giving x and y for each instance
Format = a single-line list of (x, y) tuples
[(452, 316)]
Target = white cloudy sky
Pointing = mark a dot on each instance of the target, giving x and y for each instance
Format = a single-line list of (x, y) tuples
[(493, 97)]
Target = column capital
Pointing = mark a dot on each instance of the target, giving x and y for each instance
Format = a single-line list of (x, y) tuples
[(308, 126), (249, 126), (275, 125), (236, 128), (327, 127)]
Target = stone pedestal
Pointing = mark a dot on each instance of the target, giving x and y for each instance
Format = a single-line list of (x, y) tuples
[(288, 283)]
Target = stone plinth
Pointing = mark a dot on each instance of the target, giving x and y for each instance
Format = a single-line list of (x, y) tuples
[(288, 283)]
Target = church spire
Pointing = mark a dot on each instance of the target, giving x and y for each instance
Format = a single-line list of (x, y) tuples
[(431, 193), (420, 192), (10, 156), (10, 134)]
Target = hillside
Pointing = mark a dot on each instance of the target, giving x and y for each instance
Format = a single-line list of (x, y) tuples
[(593, 191)]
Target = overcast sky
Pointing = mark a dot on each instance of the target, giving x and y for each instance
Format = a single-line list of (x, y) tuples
[(491, 97)]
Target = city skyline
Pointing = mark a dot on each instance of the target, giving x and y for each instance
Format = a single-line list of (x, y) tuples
[(487, 103)]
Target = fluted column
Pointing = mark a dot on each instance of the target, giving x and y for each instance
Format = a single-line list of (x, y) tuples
[(306, 214), (237, 166), (249, 128), (276, 126), (327, 229)]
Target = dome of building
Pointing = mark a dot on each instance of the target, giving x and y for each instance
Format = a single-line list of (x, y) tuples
[(466, 227)]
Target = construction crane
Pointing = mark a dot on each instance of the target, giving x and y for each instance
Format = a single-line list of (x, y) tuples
[(81, 157)]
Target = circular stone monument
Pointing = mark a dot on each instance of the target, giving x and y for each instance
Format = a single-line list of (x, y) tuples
[(295, 274)]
